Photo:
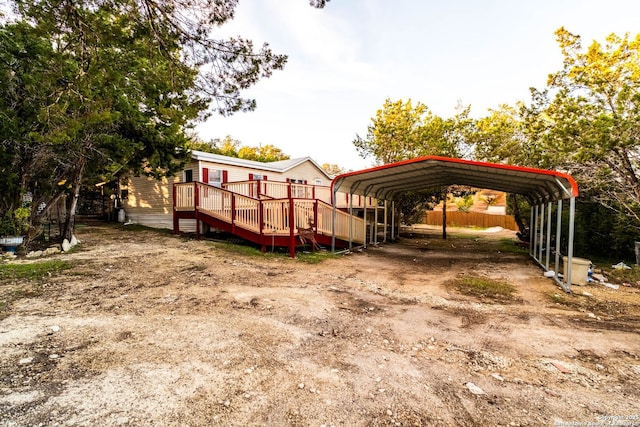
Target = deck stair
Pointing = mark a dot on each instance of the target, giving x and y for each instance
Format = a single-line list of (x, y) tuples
[(266, 213)]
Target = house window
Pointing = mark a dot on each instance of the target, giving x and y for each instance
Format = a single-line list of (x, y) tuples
[(317, 181), (296, 181), (215, 176), (212, 176), (188, 175)]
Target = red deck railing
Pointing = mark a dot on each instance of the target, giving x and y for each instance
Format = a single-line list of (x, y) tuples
[(280, 190), (262, 219)]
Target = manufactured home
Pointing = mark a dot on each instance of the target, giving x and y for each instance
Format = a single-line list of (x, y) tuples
[(255, 200)]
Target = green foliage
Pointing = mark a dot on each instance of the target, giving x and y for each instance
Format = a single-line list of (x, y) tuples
[(631, 276), (333, 169), (15, 222), (601, 234), (465, 203), (233, 148), (593, 118), (412, 205), (94, 88), (401, 131), (586, 123)]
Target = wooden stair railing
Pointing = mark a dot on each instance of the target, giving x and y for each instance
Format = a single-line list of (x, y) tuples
[(264, 217)]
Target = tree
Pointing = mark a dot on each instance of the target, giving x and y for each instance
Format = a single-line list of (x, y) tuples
[(234, 148), (401, 131), (592, 118), (262, 153), (465, 203), (586, 121), (333, 169), (104, 86)]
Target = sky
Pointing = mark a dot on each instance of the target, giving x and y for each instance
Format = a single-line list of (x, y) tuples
[(346, 59)]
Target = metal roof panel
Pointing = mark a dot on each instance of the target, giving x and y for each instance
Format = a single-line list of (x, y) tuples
[(421, 173)]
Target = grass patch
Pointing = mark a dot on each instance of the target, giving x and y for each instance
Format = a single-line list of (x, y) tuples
[(621, 276), (583, 303), (252, 251), (315, 257), (25, 281), (510, 246), (32, 271), (241, 249), (484, 288)]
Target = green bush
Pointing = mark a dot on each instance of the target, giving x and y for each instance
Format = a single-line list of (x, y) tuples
[(15, 222)]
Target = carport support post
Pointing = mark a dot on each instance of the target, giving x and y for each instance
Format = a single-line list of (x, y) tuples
[(548, 246), (558, 234), (350, 221), (444, 215), (572, 215), (386, 214), (531, 232), (364, 217), (534, 232), (333, 220), (541, 239), (375, 223), (393, 220)]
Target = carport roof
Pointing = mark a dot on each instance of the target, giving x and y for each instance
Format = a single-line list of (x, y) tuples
[(430, 172)]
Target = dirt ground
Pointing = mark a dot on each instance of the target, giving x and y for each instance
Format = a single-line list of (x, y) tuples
[(150, 329)]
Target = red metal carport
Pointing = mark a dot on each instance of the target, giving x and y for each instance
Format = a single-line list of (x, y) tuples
[(541, 187)]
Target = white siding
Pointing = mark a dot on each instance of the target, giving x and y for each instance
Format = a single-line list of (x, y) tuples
[(305, 171)]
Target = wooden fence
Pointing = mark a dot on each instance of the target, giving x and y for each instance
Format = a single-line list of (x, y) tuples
[(471, 219)]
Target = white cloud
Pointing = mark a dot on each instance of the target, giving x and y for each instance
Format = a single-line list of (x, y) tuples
[(344, 60)]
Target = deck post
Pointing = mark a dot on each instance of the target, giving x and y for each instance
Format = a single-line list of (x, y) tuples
[(261, 223), (233, 210), (292, 220), (176, 221), (196, 196), (315, 216)]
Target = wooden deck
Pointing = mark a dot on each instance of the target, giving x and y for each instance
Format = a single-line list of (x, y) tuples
[(253, 211)]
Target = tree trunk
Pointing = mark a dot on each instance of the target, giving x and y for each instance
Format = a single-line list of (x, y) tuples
[(69, 225), (517, 216)]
